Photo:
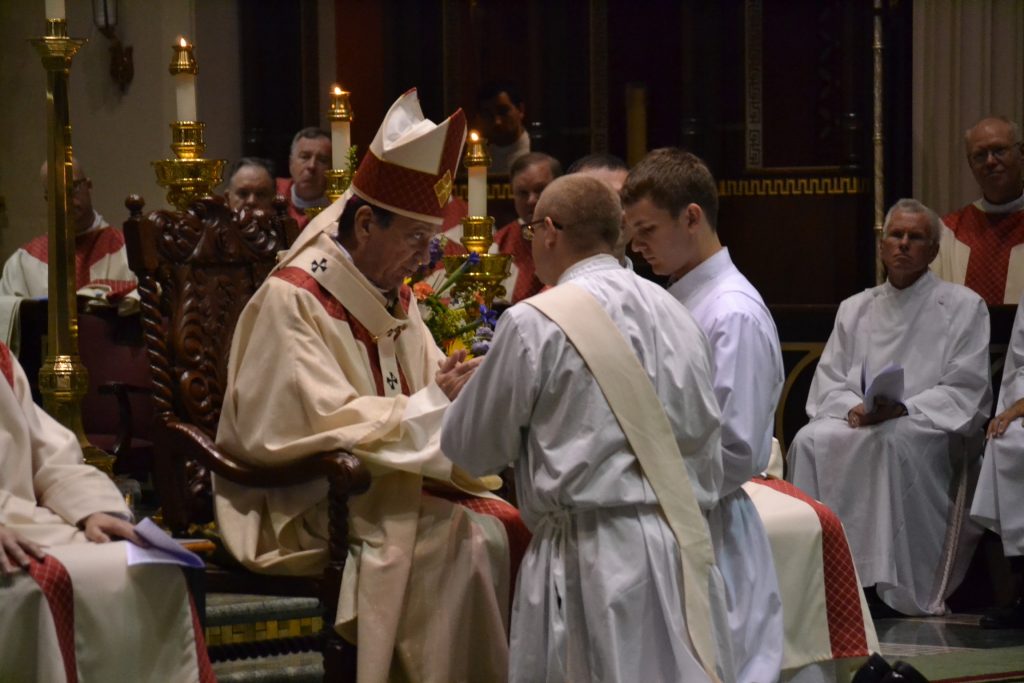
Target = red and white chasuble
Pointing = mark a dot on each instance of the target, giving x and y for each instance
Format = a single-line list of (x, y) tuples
[(101, 263), (82, 613), (982, 247)]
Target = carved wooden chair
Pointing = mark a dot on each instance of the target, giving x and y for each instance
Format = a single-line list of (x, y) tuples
[(196, 272)]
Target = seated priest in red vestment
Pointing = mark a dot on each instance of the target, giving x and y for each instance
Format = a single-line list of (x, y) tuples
[(982, 244), (329, 354), (308, 161), (72, 607), (529, 175), (101, 262)]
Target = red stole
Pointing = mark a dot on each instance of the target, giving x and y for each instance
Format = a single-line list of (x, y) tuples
[(990, 237)]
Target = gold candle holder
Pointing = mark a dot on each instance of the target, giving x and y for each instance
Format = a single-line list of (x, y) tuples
[(340, 108), (63, 379), (487, 275), (337, 183), (188, 176)]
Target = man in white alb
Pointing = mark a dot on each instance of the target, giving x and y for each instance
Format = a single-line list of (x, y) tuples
[(897, 474), (603, 581)]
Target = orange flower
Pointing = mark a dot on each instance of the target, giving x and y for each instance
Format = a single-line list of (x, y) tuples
[(422, 290)]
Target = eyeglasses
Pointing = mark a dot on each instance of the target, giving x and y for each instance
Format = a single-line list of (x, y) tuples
[(999, 153), (530, 229)]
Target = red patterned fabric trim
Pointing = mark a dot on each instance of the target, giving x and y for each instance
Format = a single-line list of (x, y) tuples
[(334, 308), (39, 248), (90, 248), (842, 594), (518, 535), (6, 364), (510, 241), (991, 237), (202, 657), (408, 189), (55, 583)]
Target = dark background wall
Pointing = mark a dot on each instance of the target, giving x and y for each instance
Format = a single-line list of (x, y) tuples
[(775, 94)]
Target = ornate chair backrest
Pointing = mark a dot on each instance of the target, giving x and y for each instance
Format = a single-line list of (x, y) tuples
[(196, 272)]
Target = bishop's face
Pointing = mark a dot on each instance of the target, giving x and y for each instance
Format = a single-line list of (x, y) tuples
[(667, 243), (389, 255)]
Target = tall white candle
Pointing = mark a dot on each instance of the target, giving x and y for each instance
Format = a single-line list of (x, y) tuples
[(185, 94), (341, 140), (55, 9), (477, 182)]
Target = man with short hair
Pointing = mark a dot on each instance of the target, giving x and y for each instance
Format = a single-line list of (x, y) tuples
[(250, 184), (896, 472), (308, 161), (671, 206), (501, 111), (996, 503), (530, 174), (613, 171), (605, 591), (329, 354), (982, 244)]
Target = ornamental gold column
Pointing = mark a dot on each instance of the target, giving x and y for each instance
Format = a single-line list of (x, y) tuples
[(63, 380)]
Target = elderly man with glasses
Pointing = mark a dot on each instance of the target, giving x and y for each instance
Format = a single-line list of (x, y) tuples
[(895, 468), (101, 262), (982, 244)]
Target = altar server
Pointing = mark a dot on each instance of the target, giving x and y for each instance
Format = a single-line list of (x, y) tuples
[(580, 383), (897, 475)]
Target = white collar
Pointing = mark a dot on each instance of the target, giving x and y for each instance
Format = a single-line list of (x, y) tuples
[(1009, 207)]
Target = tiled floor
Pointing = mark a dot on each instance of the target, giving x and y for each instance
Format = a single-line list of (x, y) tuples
[(953, 648)]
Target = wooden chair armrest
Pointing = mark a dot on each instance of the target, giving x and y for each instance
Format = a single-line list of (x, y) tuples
[(340, 468)]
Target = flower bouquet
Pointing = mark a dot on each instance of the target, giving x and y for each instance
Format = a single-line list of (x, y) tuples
[(456, 320)]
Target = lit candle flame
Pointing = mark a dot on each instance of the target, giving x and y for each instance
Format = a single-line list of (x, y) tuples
[(474, 136), (182, 41), (337, 89)]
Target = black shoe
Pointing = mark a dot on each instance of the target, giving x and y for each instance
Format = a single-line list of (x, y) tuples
[(873, 671), (880, 610), (1010, 616), (904, 673)]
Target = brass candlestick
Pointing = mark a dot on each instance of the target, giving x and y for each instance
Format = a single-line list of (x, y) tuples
[(477, 237), (188, 176), (485, 277), (63, 380)]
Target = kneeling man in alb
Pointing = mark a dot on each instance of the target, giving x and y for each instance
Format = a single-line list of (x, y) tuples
[(599, 391), (896, 471), (329, 354)]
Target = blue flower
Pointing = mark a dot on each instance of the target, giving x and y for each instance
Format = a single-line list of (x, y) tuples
[(480, 348), (436, 250), (488, 317), (474, 258)]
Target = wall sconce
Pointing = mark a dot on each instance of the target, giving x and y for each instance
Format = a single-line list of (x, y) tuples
[(122, 69)]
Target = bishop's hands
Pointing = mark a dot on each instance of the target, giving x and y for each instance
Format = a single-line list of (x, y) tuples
[(884, 410), (15, 551), (1001, 422), (454, 371)]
